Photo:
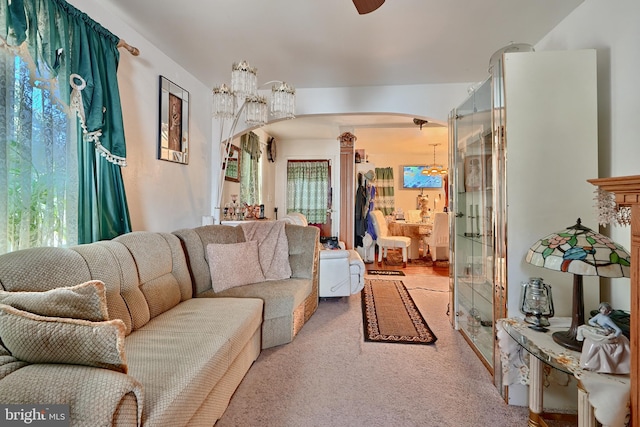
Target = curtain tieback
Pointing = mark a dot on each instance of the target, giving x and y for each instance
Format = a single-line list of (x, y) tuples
[(78, 84)]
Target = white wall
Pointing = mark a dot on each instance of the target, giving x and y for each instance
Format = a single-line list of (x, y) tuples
[(610, 28), (162, 196), (392, 155)]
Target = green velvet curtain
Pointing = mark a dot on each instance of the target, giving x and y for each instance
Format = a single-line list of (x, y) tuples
[(385, 200), (84, 57)]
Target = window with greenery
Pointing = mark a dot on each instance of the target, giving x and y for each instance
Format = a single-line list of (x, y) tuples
[(38, 167)]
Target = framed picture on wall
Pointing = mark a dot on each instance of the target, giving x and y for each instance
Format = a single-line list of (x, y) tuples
[(232, 168), (173, 144)]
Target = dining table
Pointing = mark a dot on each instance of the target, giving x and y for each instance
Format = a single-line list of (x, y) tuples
[(417, 231)]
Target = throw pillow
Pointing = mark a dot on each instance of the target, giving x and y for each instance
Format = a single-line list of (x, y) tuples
[(39, 339), (86, 301), (234, 264)]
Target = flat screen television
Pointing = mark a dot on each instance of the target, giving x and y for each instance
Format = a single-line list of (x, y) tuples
[(413, 177)]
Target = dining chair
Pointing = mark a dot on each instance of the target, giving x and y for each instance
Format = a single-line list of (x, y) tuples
[(438, 241), (385, 241)]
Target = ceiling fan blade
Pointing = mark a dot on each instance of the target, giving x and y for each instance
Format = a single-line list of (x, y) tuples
[(367, 6)]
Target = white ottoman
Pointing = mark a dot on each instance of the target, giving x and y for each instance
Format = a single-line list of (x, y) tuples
[(341, 273)]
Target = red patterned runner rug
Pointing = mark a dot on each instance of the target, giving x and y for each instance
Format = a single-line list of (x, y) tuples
[(390, 314)]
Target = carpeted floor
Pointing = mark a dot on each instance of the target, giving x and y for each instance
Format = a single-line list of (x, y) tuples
[(390, 315), (329, 376)]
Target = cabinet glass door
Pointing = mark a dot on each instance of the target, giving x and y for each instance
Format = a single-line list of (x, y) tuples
[(472, 220)]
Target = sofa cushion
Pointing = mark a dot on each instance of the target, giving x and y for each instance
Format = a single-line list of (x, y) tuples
[(234, 264), (162, 269), (41, 269), (39, 339), (281, 297), (86, 301), (112, 263), (199, 340), (273, 247), (195, 243)]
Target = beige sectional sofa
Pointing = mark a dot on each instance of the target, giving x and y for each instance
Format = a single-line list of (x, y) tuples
[(176, 350)]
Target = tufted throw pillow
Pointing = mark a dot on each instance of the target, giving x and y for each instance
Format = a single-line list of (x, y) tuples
[(39, 339), (86, 301), (234, 264)]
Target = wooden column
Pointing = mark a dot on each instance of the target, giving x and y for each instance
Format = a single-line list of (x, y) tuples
[(627, 191), (347, 190)]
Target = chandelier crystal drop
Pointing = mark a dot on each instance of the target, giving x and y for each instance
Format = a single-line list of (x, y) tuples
[(256, 114), (283, 101), (244, 79), (223, 102)]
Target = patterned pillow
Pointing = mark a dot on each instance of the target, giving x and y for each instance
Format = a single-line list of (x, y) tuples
[(234, 264), (86, 301), (39, 339)]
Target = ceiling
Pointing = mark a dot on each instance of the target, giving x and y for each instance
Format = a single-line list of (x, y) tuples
[(326, 43)]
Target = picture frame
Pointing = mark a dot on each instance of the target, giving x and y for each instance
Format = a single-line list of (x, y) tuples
[(475, 172), (173, 140), (232, 166)]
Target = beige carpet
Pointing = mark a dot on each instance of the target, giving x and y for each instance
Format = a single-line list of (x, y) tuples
[(329, 376), (390, 315)]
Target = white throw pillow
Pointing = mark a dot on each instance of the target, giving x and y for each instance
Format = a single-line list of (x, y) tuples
[(234, 264)]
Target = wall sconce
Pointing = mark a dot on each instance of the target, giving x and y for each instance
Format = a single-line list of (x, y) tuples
[(536, 303)]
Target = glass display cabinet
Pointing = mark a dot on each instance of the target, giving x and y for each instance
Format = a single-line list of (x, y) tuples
[(521, 147), (472, 237)]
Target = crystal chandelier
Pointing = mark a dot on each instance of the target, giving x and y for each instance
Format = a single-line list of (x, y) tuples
[(229, 103), (435, 169)]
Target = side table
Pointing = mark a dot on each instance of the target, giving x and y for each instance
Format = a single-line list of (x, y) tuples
[(604, 397)]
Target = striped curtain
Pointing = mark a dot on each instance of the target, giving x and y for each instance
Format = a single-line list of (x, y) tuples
[(384, 200), (308, 189)]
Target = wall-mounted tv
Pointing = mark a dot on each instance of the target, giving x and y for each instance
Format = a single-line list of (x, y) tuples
[(413, 177)]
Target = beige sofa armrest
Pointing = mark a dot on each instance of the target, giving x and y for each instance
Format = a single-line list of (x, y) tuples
[(96, 396), (303, 250)]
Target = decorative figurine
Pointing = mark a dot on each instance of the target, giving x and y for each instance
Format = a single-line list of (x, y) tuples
[(605, 348), (603, 320)]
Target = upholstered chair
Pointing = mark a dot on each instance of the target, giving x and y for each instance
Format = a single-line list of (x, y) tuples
[(385, 240)]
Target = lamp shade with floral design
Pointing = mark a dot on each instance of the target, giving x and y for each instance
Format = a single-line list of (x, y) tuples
[(582, 252)]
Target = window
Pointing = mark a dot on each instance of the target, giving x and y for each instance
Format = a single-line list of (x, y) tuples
[(38, 167)]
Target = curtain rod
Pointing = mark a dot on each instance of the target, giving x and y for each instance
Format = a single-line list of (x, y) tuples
[(132, 50)]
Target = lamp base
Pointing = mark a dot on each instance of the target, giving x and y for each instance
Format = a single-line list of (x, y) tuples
[(567, 340)]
